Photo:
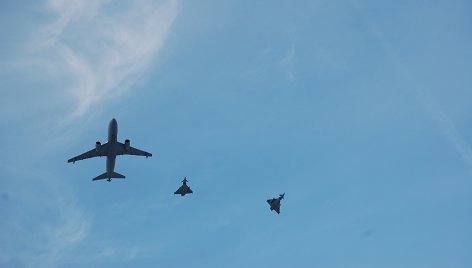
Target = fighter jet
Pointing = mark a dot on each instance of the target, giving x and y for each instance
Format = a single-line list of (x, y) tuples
[(110, 149), (275, 203), (184, 189)]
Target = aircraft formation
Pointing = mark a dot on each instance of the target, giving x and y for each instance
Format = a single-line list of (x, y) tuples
[(113, 148)]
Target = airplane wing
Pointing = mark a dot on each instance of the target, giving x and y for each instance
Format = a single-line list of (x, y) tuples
[(92, 153), (277, 210), (179, 191), (132, 151)]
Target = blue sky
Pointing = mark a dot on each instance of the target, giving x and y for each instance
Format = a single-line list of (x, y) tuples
[(358, 110)]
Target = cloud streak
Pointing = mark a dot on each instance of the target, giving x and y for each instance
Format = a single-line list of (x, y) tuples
[(430, 104), (102, 49), (287, 61), (41, 228)]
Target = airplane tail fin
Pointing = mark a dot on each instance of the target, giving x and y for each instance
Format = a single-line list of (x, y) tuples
[(113, 175)]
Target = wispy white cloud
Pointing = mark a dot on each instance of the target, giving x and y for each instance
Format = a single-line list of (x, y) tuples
[(41, 227), (430, 104), (44, 224), (287, 61), (445, 123), (97, 50), (103, 48), (66, 235)]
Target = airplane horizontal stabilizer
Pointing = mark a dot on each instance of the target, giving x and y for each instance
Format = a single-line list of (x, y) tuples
[(117, 175), (113, 175)]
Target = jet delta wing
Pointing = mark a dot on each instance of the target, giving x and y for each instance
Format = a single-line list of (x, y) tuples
[(274, 203), (277, 209)]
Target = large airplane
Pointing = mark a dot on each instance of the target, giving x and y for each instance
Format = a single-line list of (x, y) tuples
[(110, 149)]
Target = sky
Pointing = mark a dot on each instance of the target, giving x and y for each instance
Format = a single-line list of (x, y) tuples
[(358, 110)]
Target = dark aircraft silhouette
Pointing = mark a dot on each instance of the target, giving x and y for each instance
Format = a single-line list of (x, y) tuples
[(111, 150), (184, 189), (275, 203)]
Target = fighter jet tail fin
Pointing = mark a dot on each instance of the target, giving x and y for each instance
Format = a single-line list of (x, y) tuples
[(113, 175)]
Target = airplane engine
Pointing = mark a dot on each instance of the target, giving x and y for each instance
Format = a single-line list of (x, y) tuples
[(127, 144), (98, 145)]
